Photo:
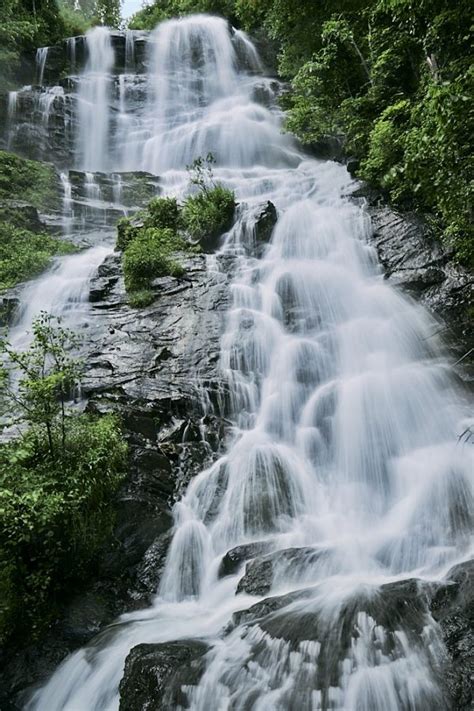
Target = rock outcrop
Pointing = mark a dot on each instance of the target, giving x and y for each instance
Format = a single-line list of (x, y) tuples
[(155, 675)]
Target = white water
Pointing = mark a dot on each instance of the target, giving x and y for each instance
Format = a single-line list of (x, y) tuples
[(41, 59), (62, 291), (71, 51), (93, 97), (344, 423)]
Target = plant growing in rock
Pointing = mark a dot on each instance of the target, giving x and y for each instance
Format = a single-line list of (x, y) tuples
[(164, 213), (201, 172), (210, 212), (149, 256), (39, 381), (150, 239)]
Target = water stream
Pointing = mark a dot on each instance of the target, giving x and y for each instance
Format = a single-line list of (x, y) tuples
[(345, 423)]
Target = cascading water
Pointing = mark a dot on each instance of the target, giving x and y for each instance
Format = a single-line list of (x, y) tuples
[(41, 59), (94, 99), (344, 422), (71, 52)]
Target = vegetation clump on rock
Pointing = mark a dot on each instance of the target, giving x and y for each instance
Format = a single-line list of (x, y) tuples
[(28, 181), (152, 240), (26, 247)]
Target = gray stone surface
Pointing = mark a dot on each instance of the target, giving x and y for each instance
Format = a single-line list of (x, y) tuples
[(155, 675)]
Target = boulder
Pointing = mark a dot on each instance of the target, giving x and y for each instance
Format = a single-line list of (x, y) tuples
[(155, 674), (236, 557), (260, 572), (264, 226)]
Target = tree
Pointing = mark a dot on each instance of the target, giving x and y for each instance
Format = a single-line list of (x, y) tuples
[(39, 381)]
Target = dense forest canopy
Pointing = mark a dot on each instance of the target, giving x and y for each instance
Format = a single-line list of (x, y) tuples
[(28, 24), (392, 78)]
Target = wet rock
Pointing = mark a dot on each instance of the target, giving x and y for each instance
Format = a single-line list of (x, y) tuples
[(150, 367), (265, 225), (235, 558), (452, 607), (261, 610), (151, 568), (399, 605), (130, 189), (328, 148), (352, 166), (56, 64), (107, 277), (8, 308), (258, 577), (155, 674), (41, 127), (260, 572)]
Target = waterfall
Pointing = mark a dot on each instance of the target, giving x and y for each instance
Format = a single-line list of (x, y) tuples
[(62, 291), (11, 115), (68, 213), (46, 100), (200, 102), (41, 59), (129, 50), (94, 99), (345, 423), (71, 52)]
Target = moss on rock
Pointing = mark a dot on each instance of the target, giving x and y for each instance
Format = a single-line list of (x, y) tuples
[(28, 181)]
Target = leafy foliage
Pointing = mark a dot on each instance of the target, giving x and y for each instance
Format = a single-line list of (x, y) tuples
[(149, 16), (57, 481), (149, 255), (209, 213), (24, 253), (150, 239), (25, 247), (141, 299), (394, 78), (47, 375), (28, 181), (28, 24), (163, 213)]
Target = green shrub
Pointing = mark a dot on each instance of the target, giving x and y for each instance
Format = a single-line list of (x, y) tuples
[(54, 517), (73, 19), (140, 299), (209, 213), (24, 254), (126, 232), (149, 255), (163, 213), (384, 162), (151, 238), (28, 181)]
